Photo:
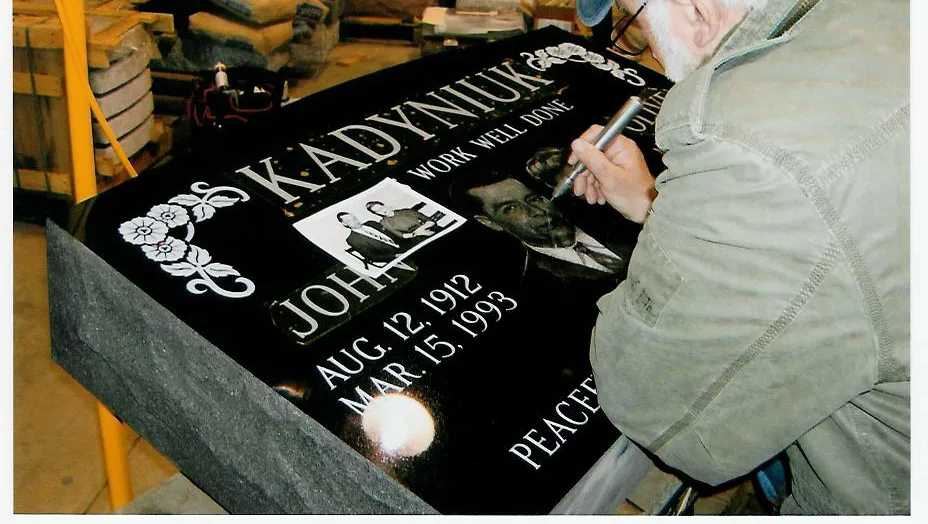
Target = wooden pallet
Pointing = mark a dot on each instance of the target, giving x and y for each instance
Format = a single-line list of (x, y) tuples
[(111, 173), (41, 141)]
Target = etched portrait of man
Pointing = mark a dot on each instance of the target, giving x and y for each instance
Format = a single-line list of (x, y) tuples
[(503, 203)]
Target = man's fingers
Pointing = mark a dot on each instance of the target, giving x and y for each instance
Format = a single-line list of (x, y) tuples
[(588, 189), (620, 145), (600, 196), (593, 159), (587, 136), (591, 196), (580, 184), (591, 133), (620, 177)]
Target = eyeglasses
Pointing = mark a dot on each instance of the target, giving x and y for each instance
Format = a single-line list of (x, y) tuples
[(624, 41)]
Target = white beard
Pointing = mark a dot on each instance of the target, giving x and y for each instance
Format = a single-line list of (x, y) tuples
[(678, 61)]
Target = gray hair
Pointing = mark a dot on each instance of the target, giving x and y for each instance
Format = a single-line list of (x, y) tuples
[(662, 17), (747, 4), (678, 62)]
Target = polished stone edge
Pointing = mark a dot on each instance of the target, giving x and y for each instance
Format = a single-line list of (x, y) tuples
[(239, 441)]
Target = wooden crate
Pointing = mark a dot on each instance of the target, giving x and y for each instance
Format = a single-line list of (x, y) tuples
[(41, 147), (41, 141)]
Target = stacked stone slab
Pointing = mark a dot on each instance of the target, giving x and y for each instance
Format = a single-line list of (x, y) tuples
[(123, 91)]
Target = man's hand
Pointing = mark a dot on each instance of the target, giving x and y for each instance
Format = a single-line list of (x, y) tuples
[(618, 175), (425, 230)]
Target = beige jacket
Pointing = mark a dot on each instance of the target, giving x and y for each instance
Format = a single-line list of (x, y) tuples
[(767, 301)]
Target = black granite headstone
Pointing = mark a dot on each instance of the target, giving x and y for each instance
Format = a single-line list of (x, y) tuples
[(384, 258)]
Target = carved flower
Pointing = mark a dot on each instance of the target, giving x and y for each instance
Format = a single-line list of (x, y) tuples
[(599, 61), (168, 250), (143, 230), (557, 52), (171, 215), (544, 61), (566, 50)]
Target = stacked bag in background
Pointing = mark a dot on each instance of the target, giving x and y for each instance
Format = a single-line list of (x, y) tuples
[(214, 38), (268, 34), (314, 38), (264, 12)]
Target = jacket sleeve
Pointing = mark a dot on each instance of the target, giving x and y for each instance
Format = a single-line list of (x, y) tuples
[(739, 327)]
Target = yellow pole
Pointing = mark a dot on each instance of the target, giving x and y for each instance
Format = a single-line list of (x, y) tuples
[(76, 78), (115, 457)]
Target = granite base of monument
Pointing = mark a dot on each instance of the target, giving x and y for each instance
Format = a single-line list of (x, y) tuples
[(252, 451)]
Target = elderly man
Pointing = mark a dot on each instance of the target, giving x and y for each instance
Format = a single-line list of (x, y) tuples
[(767, 300)]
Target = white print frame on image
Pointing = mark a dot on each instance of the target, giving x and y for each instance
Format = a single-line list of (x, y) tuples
[(325, 230)]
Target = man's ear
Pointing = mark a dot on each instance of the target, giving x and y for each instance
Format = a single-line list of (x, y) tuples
[(485, 220), (705, 18)]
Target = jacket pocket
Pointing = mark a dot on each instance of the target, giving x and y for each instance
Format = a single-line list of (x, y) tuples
[(653, 280)]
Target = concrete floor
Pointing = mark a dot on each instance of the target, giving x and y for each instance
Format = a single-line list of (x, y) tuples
[(57, 458)]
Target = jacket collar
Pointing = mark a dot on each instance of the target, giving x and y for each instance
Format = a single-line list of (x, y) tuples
[(761, 24), (682, 109)]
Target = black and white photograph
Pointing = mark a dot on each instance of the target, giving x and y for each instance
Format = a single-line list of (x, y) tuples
[(375, 229)]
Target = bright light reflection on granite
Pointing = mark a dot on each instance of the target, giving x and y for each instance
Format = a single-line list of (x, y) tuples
[(398, 425)]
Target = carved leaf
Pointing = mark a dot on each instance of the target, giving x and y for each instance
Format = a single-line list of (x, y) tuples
[(222, 201), (203, 212), (180, 269), (185, 200), (198, 256), (218, 270)]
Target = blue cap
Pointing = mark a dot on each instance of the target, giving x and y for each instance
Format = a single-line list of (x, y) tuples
[(592, 12)]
